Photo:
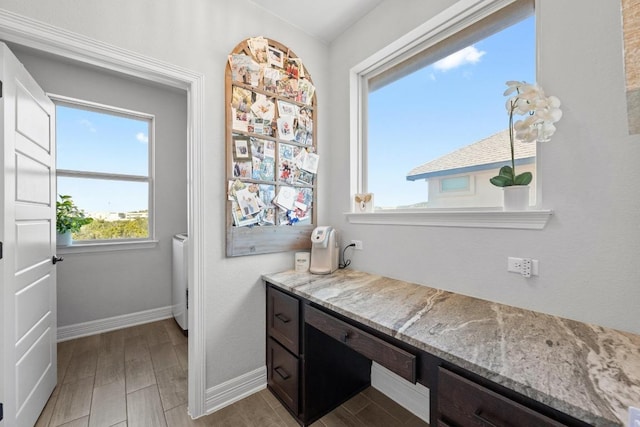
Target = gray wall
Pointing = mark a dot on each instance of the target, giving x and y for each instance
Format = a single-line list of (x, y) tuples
[(94, 286), (198, 35), (587, 173), (587, 252)]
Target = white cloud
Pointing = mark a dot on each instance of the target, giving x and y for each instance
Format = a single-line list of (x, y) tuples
[(142, 137), (468, 55), (87, 124)]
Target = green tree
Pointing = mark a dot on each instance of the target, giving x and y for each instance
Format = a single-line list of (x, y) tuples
[(100, 229)]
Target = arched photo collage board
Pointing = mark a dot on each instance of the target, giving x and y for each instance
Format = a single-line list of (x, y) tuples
[(272, 161)]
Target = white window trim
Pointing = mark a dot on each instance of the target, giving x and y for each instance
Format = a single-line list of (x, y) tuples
[(114, 244), (451, 20)]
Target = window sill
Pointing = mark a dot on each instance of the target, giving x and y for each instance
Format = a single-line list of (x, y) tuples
[(535, 219), (77, 248)]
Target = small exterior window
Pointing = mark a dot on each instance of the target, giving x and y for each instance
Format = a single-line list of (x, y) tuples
[(104, 162), (431, 119), (456, 184)]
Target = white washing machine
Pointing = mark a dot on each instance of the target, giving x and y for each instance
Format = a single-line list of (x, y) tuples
[(180, 292)]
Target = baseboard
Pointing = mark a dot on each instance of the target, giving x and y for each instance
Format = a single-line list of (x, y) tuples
[(112, 323), (235, 389), (413, 397)]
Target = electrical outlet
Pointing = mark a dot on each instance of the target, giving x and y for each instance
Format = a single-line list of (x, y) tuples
[(358, 244), (634, 417), (527, 267)]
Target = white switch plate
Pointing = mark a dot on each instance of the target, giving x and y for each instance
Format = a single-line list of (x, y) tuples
[(634, 417)]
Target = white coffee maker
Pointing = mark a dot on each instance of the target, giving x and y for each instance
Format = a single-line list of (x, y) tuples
[(324, 250)]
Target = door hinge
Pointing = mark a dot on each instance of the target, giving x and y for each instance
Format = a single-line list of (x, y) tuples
[(0, 88), (0, 250), (187, 299), (1, 415)]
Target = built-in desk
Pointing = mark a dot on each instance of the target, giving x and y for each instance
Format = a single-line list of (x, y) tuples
[(483, 362)]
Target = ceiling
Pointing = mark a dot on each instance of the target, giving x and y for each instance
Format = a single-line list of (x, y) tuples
[(324, 19)]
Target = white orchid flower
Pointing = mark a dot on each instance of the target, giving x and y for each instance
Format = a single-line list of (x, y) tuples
[(545, 130)]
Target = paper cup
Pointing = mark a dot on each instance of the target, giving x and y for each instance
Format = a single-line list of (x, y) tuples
[(301, 261)]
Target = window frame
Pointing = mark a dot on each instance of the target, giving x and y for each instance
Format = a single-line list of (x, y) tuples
[(113, 244), (448, 23)]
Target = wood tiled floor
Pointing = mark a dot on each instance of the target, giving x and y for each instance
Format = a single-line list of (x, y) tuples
[(138, 377)]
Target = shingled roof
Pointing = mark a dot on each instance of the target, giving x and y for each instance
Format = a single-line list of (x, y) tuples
[(489, 153)]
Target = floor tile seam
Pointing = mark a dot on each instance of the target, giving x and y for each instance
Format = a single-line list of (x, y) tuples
[(160, 371), (55, 402), (382, 408), (164, 415), (81, 416)]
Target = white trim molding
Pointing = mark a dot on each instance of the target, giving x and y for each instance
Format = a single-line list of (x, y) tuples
[(94, 327), (236, 389), (525, 220), (15, 28), (410, 396)]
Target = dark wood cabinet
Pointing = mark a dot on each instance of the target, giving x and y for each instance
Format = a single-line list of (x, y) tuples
[(283, 374), (283, 319), (310, 372), (391, 357), (317, 359), (464, 403)]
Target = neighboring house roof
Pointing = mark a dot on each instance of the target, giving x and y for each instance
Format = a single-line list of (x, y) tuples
[(489, 153)]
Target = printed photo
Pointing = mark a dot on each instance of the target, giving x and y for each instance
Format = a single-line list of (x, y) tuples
[(241, 149), (242, 169), (275, 57), (244, 69)]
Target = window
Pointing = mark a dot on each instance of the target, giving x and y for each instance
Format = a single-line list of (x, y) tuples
[(455, 185), (104, 164), (432, 118)]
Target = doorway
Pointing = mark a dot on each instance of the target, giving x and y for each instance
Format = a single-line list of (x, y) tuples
[(35, 35)]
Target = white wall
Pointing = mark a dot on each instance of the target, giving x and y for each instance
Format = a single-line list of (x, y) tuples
[(589, 251), (95, 286), (199, 35), (587, 254)]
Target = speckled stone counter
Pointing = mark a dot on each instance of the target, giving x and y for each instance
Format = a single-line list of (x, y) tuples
[(587, 371)]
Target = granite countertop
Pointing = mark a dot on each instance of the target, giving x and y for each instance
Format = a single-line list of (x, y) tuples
[(584, 370)]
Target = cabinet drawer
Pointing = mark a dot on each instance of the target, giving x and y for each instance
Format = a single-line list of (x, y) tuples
[(391, 357), (283, 319), (282, 374), (463, 403)]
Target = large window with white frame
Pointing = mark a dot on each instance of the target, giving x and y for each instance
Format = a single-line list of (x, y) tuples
[(105, 163), (431, 112)]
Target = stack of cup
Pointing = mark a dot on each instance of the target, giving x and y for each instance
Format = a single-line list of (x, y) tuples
[(301, 262)]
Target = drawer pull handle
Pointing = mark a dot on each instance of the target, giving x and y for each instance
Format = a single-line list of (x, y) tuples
[(283, 374), (478, 415), (344, 336), (283, 318)]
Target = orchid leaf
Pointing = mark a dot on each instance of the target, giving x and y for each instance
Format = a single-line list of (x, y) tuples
[(506, 172), (523, 179), (501, 181)]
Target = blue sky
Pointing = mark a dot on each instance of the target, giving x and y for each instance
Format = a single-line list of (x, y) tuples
[(97, 142), (435, 110)]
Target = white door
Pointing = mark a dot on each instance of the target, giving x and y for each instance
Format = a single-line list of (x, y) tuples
[(28, 289)]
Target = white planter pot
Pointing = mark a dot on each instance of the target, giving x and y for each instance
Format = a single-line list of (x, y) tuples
[(63, 239), (515, 198)]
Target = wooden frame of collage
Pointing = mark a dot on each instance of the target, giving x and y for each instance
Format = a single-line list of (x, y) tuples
[(258, 239)]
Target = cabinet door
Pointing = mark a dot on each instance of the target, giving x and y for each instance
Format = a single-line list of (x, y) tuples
[(283, 374), (283, 319), (463, 403)]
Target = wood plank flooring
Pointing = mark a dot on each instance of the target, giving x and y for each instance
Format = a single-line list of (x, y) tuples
[(138, 377)]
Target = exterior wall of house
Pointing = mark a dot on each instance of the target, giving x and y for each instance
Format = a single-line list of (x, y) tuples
[(587, 176), (481, 193)]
